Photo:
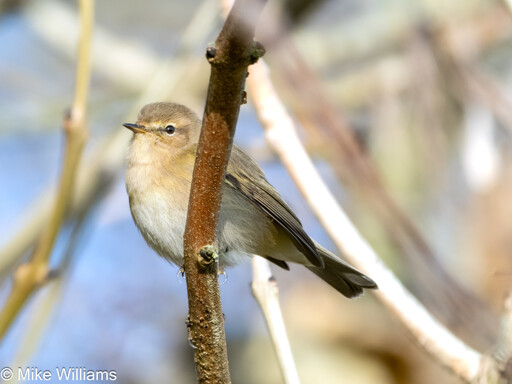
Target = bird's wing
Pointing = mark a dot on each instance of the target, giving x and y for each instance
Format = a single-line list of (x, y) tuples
[(245, 176)]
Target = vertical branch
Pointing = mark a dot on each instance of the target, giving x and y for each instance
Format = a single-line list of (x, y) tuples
[(28, 277), (265, 290), (76, 135), (233, 52)]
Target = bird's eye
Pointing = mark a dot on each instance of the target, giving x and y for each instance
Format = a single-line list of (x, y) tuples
[(170, 129)]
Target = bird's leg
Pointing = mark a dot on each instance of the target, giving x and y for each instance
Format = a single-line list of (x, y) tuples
[(220, 272)]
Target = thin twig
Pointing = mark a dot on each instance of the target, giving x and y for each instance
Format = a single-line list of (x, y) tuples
[(108, 157), (233, 52), (46, 304), (355, 167), (266, 292), (503, 350), (281, 134), (28, 277)]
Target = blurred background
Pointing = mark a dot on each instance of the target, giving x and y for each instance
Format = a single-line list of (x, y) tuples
[(405, 108)]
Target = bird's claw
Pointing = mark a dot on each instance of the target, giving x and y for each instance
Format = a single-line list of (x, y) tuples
[(181, 274), (189, 337), (222, 272)]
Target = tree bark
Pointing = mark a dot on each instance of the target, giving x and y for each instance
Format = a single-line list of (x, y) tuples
[(230, 56)]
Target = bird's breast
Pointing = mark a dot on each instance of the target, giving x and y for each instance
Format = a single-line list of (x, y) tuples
[(158, 202)]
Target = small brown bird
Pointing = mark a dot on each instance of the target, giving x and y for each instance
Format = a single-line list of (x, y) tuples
[(253, 218)]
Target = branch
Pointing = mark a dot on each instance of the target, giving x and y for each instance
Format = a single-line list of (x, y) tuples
[(30, 276), (500, 364), (46, 305), (312, 108), (430, 334), (101, 166), (265, 290), (233, 52)]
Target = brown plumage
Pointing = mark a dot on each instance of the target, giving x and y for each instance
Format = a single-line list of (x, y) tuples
[(253, 219)]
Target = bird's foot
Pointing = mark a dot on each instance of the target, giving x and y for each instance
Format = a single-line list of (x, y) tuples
[(209, 255)]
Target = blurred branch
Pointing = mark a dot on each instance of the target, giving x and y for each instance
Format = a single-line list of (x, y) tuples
[(98, 170), (110, 52), (233, 51), (46, 304), (49, 18), (471, 83), (265, 290), (30, 276), (448, 300), (503, 350), (281, 134), (509, 3)]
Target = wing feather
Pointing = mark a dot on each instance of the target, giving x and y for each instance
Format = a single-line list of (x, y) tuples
[(245, 176)]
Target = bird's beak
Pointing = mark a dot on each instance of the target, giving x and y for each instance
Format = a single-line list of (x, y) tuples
[(135, 128)]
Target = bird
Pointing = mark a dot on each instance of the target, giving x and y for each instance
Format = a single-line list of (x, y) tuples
[(253, 220)]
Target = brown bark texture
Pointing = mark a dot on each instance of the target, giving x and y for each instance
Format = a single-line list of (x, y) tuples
[(233, 51)]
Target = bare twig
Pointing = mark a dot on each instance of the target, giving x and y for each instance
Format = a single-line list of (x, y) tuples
[(233, 52), (49, 18), (28, 277), (281, 134), (103, 162), (440, 291), (46, 304), (502, 355), (266, 292)]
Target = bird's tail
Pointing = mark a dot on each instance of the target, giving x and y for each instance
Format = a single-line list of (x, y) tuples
[(341, 276)]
